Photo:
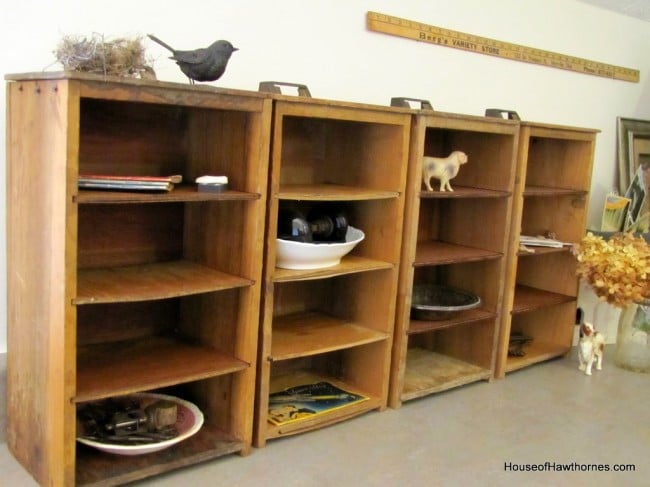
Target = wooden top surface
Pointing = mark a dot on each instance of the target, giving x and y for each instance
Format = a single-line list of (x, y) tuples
[(203, 88), (551, 126), (123, 80)]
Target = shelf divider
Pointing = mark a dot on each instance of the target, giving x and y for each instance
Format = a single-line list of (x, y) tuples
[(184, 193), (151, 281), (437, 253), (552, 191), (463, 318), (332, 192), (464, 192), (304, 334), (428, 372), (535, 353), (349, 264), (529, 299), (543, 251), (114, 369), (97, 468)]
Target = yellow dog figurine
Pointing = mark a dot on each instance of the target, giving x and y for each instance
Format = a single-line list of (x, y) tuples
[(442, 168)]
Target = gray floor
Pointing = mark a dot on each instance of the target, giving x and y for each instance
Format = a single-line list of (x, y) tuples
[(547, 413)]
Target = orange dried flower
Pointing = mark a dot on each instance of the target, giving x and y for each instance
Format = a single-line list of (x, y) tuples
[(618, 269)]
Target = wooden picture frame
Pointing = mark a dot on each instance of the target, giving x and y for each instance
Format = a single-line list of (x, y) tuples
[(633, 145)]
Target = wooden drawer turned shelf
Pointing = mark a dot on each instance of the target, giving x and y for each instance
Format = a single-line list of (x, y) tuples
[(459, 239), (554, 166), (145, 292), (333, 324)]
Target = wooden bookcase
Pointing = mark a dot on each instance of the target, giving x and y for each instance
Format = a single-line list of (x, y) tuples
[(458, 239), (336, 323), (111, 293), (554, 177)]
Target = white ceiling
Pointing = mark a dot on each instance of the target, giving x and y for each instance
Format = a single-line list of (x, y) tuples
[(639, 9)]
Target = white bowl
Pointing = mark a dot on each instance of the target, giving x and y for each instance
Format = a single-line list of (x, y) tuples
[(301, 255), (189, 421)]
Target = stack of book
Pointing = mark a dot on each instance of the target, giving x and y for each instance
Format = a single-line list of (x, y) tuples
[(128, 183), (540, 241)]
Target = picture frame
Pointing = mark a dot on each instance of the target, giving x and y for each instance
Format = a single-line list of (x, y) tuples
[(633, 148), (636, 193), (615, 213)]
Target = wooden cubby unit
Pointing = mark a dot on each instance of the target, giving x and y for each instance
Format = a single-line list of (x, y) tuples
[(554, 177), (111, 292), (336, 323), (459, 239)]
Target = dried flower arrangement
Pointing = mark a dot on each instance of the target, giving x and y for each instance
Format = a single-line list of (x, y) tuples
[(117, 57), (617, 269)]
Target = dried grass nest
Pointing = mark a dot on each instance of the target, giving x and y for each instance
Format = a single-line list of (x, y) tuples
[(116, 57)]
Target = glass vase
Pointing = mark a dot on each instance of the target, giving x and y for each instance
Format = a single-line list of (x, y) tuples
[(633, 338)]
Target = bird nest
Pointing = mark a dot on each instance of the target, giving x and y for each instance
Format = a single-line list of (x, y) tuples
[(117, 57)]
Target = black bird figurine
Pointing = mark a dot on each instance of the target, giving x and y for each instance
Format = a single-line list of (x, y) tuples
[(205, 64)]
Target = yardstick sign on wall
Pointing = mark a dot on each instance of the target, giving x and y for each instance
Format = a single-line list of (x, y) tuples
[(410, 29)]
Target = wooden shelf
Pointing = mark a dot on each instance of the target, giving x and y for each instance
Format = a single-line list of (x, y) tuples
[(428, 372), (463, 318), (185, 193), (549, 191), (554, 165), (337, 320), (535, 353), (437, 253), (113, 369), (305, 334), (97, 468), (300, 377), (530, 299), (332, 192), (543, 251), (459, 238), (464, 192), (117, 292), (350, 264), (151, 281)]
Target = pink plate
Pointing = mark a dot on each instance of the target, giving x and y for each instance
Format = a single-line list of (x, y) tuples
[(189, 421)]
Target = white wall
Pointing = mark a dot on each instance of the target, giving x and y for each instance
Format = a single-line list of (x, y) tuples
[(325, 45)]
